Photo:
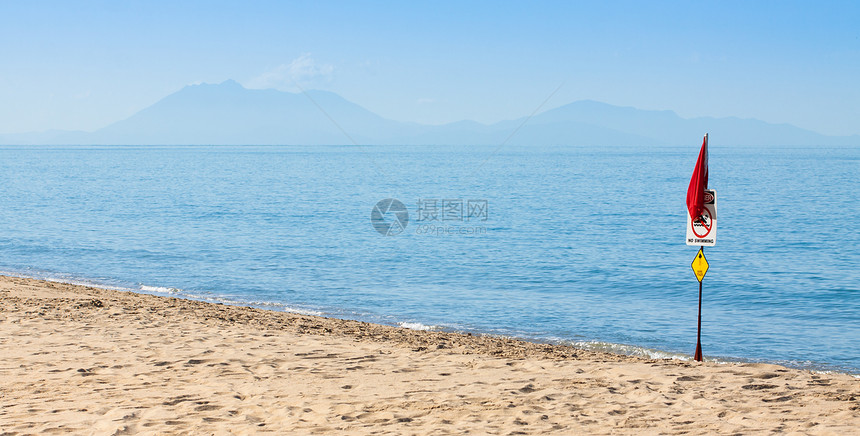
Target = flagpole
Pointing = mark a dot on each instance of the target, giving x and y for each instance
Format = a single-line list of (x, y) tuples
[(698, 356), (696, 193)]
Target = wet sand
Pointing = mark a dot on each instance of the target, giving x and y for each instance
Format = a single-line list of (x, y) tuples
[(77, 359)]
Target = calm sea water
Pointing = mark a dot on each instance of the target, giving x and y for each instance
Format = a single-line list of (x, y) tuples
[(565, 245)]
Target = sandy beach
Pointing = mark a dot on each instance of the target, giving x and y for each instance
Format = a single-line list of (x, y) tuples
[(83, 360)]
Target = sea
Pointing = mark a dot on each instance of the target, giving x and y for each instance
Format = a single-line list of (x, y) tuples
[(571, 245)]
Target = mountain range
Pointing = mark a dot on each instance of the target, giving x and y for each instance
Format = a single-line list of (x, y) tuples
[(229, 114)]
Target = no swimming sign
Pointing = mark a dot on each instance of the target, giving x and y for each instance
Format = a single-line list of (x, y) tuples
[(703, 230)]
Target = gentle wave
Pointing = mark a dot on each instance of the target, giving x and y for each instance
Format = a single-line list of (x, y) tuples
[(158, 290), (268, 305), (418, 326), (64, 278), (650, 353), (629, 350)]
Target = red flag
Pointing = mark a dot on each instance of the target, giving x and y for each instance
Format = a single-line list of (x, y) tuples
[(698, 183)]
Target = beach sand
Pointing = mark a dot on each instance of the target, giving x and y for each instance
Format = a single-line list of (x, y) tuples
[(77, 359)]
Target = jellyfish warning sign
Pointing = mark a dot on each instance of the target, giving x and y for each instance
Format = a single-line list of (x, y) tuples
[(702, 231)]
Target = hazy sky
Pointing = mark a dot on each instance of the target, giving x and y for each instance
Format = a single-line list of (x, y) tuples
[(82, 65)]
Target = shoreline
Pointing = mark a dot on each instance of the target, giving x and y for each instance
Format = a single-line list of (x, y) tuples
[(481, 343), (587, 345), (77, 358)]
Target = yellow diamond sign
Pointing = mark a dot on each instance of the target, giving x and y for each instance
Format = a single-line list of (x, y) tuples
[(700, 265)]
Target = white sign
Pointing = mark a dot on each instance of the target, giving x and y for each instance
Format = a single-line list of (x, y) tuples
[(703, 231)]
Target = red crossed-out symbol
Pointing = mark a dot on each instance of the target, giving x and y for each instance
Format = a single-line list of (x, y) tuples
[(705, 223)]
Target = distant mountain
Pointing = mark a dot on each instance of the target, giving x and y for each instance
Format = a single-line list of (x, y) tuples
[(229, 114), (667, 128)]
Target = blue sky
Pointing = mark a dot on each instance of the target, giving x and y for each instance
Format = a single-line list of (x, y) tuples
[(82, 65)]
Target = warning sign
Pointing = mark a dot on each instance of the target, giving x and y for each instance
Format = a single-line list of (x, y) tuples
[(700, 265), (703, 230)]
